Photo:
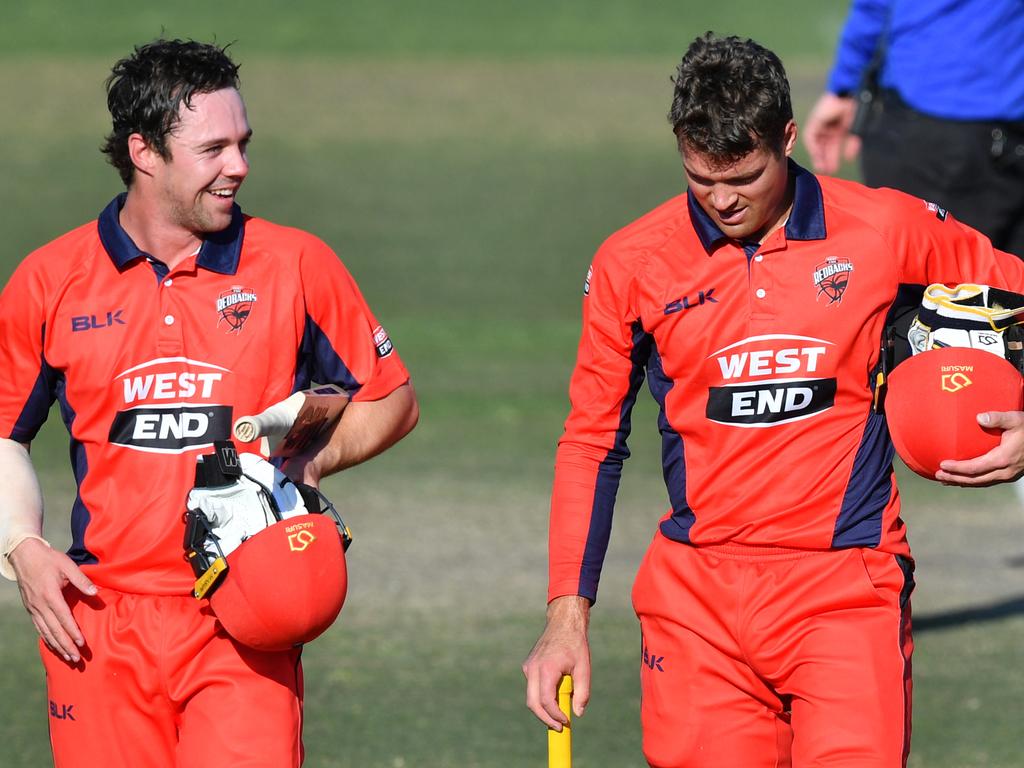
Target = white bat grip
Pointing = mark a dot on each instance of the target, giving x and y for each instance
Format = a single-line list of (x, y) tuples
[(273, 422)]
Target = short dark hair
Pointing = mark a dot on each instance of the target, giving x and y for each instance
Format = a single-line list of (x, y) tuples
[(731, 97), (146, 89)]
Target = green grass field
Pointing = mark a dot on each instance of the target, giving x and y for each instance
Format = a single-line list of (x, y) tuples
[(466, 159)]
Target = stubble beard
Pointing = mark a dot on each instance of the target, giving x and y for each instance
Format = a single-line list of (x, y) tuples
[(196, 218)]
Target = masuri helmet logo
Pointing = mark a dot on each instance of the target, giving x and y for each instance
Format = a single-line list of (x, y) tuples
[(954, 382), (297, 542)]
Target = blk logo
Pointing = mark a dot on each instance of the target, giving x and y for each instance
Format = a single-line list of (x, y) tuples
[(653, 662), (687, 302), (91, 322), (61, 711)]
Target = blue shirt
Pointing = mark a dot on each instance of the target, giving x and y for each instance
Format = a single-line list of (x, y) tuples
[(954, 59)]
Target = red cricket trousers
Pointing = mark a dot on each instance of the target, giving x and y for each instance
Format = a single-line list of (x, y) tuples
[(761, 657), (160, 685)]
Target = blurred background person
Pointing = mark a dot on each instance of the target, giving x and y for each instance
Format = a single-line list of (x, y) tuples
[(933, 91)]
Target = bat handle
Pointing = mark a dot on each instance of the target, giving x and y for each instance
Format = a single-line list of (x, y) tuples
[(247, 429), (560, 742)]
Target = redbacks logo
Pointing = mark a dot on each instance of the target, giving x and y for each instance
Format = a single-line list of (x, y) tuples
[(234, 307), (770, 380), (832, 277)]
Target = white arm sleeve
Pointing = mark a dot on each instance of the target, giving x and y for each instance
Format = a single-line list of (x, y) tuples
[(21, 516)]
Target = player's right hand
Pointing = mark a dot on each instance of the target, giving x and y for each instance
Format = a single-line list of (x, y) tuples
[(42, 575), (561, 650)]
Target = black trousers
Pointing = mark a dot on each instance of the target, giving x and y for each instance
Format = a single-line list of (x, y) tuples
[(975, 170)]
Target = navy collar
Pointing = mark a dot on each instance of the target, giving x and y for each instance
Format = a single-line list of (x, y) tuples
[(806, 220), (218, 253)]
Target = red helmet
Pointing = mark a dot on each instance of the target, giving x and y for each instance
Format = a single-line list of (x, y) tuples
[(269, 554), (285, 585), (933, 400)]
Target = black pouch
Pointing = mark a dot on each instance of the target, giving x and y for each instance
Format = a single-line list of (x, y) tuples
[(870, 104)]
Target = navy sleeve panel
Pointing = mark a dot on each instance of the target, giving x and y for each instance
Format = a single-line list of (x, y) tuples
[(610, 471), (673, 457), (81, 516), (673, 461), (859, 523), (40, 398), (80, 513), (319, 362)]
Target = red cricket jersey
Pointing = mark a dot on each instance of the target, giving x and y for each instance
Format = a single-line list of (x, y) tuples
[(762, 360), (150, 367)]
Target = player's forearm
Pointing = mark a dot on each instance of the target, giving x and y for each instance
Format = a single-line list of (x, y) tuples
[(582, 506), (368, 428), (22, 515)]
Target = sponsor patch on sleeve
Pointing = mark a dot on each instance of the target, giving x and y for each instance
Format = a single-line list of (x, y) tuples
[(938, 210), (382, 341), (586, 283)]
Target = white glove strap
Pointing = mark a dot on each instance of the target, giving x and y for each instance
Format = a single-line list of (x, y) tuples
[(235, 511), (242, 509)]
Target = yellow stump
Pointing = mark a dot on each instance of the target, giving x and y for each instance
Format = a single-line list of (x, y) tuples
[(560, 742)]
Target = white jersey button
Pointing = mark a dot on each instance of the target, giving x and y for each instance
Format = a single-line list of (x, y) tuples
[(168, 319), (760, 293), (168, 283)]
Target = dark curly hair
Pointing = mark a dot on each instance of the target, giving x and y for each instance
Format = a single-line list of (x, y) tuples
[(731, 97), (146, 89)]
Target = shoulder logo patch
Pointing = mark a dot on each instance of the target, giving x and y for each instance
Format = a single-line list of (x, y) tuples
[(234, 307), (382, 342), (938, 210), (586, 283), (832, 278)]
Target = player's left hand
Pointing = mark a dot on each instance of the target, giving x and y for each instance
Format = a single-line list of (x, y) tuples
[(43, 574), (1002, 464)]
